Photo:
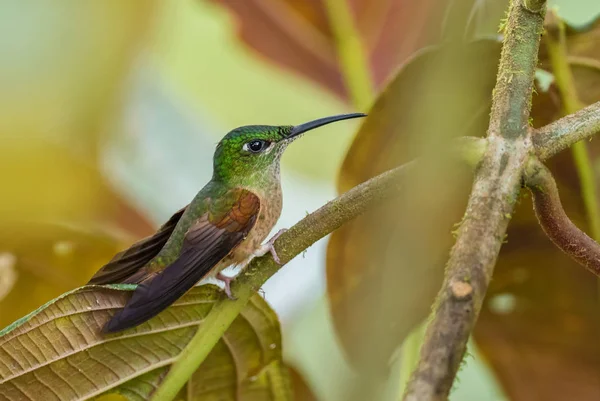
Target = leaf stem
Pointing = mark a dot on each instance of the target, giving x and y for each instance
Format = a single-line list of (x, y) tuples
[(353, 59), (557, 51)]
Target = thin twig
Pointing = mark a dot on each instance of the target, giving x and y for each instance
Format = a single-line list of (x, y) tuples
[(563, 133), (495, 190), (554, 221)]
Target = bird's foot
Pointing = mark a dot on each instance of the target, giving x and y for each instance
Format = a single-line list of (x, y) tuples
[(227, 281), (268, 247)]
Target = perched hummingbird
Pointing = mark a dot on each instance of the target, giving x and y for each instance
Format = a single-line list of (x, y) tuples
[(224, 224)]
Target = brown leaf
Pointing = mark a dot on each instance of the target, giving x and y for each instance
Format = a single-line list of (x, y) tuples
[(58, 353), (302, 391), (585, 42), (297, 34), (384, 269), (60, 221), (587, 79), (45, 260), (540, 325)]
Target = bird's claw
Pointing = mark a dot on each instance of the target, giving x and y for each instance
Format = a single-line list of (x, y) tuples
[(269, 247), (227, 281)]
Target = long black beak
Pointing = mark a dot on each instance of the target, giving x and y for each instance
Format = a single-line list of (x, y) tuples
[(302, 128)]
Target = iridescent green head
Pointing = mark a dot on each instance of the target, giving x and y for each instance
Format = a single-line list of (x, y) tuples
[(254, 151)]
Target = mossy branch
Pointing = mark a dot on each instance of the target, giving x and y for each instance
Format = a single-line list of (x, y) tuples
[(563, 133), (495, 190), (298, 238)]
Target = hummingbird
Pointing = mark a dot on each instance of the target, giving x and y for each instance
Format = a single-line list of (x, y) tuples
[(224, 225)]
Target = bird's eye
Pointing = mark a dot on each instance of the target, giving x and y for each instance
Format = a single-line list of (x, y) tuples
[(256, 146)]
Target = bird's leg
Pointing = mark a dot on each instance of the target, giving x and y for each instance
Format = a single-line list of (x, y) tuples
[(227, 280), (263, 250), (268, 247)]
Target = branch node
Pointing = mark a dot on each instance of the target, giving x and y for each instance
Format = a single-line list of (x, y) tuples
[(461, 290)]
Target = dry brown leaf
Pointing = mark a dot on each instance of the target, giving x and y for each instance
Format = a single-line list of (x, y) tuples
[(58, 352), (302, 391)]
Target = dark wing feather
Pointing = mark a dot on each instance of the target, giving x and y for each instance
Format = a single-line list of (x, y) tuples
[(211, 238), (126, 263)]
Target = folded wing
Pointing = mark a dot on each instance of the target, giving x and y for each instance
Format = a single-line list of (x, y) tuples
[(128, 262), (212, 237)]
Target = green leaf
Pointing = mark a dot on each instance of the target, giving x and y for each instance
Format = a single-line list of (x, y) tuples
[(58, 352), (579, 14)]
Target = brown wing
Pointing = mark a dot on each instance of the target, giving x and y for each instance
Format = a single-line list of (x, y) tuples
[(211, 238), (126, 263)]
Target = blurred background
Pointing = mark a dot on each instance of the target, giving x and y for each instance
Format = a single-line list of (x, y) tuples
[(110, 112)]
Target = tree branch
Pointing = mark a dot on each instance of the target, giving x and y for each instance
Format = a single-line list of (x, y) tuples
[(298, 238), (495, 190), (565, 132), (554, 221)]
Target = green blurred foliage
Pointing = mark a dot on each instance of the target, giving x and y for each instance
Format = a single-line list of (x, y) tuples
[(577, 13)]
